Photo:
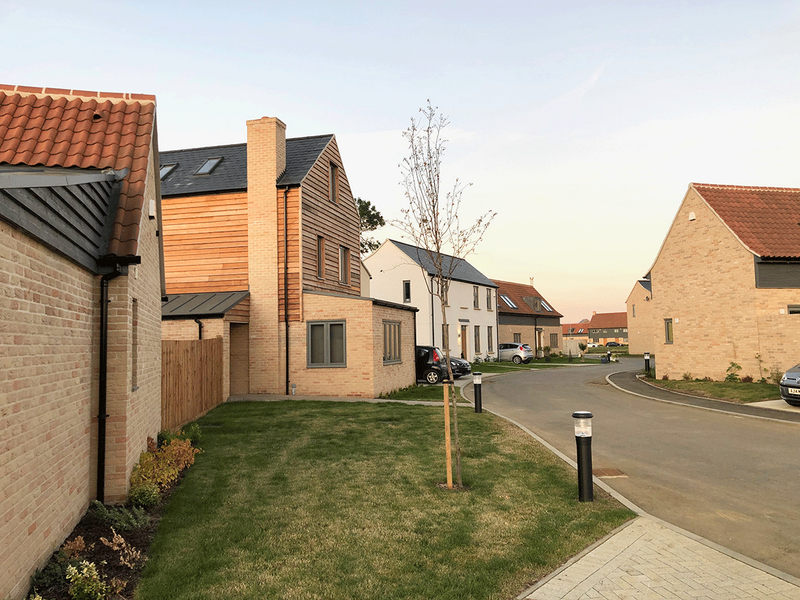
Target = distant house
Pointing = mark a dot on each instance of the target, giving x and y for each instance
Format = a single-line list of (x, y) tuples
[(80, 262), (402, 273), (261, 245), (574, 334), (640, 317), (525, 316), (726, 283), (608, 327)]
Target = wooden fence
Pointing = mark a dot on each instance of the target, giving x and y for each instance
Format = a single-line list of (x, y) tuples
[(191, 380)]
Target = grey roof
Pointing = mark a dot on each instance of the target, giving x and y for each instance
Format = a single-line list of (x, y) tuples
[(462, 270), (208, 305), (646, 284), (69, 210), (230, 175)]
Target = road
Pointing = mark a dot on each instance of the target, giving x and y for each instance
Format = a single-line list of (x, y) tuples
[(732, 479)]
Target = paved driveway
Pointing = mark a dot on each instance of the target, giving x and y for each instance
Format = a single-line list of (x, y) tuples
[(730, 478)]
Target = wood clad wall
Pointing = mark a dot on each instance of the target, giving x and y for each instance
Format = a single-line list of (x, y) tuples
[(205, 243), (338, 223), (191, 379), (293, 230)]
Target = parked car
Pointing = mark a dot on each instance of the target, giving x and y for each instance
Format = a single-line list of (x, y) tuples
[(612, 344), (459, 366), (592, 345), (519, 353), (790, 386), (431, 366)]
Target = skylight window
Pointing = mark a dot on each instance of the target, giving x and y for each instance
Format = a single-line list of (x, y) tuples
[(209, 165), (509, 302), (166, 170), (546, 306)]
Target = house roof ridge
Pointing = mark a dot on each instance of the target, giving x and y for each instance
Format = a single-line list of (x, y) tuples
[(725, 186), (426, 250), (205, 147), (75, 93)]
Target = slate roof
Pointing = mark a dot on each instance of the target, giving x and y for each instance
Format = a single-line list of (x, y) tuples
[(766, 220), (462, 271), (230, 175), (609, 320), (523, 296), (208, 305), (74, 128), (646, 284)]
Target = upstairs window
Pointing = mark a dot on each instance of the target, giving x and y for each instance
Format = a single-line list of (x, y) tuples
[(209, 166), (333, 184), (508, 301), (668, 334), (166, 170), (546, 306), (476, 302), (320, 257), (488, 298), (406, 291), (344, 265)]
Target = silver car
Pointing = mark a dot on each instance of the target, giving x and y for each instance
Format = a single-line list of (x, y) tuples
[(519, 353), (790, 386)]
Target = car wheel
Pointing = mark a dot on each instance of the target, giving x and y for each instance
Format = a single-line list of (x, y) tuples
[(517, 360), (432, 376)]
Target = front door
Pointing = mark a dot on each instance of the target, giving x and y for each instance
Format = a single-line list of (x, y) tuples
[(463, 342)]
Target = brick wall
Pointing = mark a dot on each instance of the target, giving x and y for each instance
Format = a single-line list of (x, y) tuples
[(641, 325), (704, 280)]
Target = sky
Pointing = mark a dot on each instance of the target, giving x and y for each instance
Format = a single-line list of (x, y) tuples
[(581, 124)]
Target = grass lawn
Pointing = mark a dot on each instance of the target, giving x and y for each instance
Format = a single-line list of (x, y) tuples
[(423, 392), (741, 393), (301, 499)]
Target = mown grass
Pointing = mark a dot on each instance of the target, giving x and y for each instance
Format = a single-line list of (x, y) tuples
[(423, 392), (731, 391), (340, 501)]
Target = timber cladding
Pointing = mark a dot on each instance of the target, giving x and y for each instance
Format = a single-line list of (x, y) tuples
[(205, 243), (191, 380)]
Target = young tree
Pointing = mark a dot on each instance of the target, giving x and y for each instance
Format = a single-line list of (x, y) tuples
[(431, 220), (371, 219)]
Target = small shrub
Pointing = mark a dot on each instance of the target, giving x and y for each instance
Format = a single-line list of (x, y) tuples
[(706, 378), (85, 582), (665, 377), (192, 433), (120, 517), (76, 548), (775, 375), (54, 573), (687, 376), (747, 379), (144, 494), (165, 436), (128, 555), (163, 465), (733, 372)]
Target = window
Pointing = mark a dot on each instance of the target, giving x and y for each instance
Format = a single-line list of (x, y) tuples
[(209, 166), (445, 336), (477, 338), (333, 184), (166, 170), (476, 302), (508, 301), (554, 340), (320, 257), (391, 342), (489, 339), (793, 309), (326, 344), (668, 335), (406, 291), (634, 311), (517, 338), (488, 298), (546, 306), (344, 265)]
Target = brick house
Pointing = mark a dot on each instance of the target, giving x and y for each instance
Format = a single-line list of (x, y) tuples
[(640, 317), (261, 245), (726, 283), (402, 273), (525, 316), (574, 334), (81, 267), (608, 327)]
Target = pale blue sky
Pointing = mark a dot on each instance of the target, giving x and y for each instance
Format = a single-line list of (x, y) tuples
[(580, 123)]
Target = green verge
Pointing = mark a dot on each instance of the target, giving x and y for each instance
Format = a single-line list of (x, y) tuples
[(302, 499), (422, 392), (731, 391)]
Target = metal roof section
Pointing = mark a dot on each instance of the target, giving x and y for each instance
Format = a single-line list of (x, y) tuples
[(462, 271), (208, 305)]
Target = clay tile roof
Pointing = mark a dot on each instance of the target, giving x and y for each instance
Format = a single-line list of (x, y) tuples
[(608, 320), (70, 128), (523, 296), (766, 220)]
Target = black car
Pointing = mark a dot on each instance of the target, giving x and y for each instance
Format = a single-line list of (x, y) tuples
[(612, 344), (431, 366), (459, 366)]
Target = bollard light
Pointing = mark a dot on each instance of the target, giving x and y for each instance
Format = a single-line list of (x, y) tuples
[(647, 363), (476, 388), (583, 440)]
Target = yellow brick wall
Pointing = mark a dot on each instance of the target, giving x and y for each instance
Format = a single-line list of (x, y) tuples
[(704, 280), (641, 327), (528, 332)]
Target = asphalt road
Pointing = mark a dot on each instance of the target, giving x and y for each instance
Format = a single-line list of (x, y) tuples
[(732, 479)]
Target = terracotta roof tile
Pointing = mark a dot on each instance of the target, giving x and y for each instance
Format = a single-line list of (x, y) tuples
[(517, 293), (55, 127), (765, 219), (606, 320)]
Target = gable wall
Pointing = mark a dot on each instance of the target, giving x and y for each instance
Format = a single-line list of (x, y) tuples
[(641, 327), (205, 243)]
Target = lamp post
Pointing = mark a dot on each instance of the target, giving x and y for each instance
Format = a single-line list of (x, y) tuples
[(583, 440), (647, 363), (476, 386)]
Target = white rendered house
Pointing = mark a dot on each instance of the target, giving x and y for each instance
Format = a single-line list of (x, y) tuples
[(404, 274)]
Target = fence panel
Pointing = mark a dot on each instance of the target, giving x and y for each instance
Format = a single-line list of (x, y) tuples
[(191, 379)]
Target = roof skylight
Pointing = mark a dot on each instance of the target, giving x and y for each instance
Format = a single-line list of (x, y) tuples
[(166, 170), (209, 165), (546, 306), (508, 301)]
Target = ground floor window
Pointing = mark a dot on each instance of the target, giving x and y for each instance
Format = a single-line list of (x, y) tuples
[(517, 338), (391, 342), (668, 335), (489, 339), (477, 338), (326, 344), (554, 340)]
